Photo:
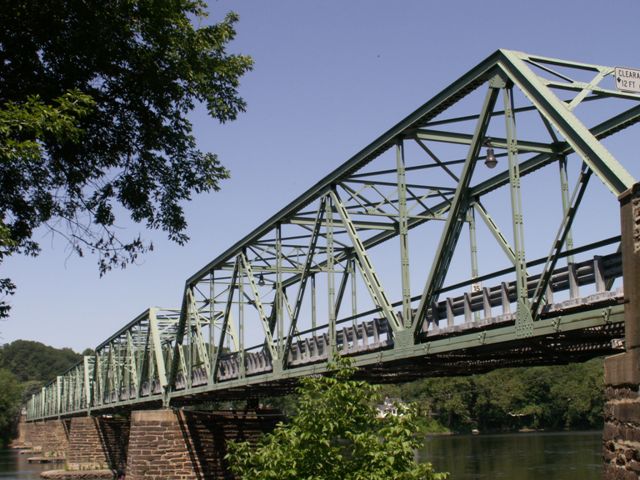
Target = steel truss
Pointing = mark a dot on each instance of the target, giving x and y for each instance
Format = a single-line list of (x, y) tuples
[(310, 283)]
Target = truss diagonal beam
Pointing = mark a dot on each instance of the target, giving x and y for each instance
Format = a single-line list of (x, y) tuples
[(371, 277), (559, 241), (582, 141), (457, 212), (258, 305), (226, 319), (311, 250), (495, 231)]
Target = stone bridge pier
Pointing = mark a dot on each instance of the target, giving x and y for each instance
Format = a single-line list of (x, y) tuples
[(161, 444), (179, 444), (47, 438), (621, 434)]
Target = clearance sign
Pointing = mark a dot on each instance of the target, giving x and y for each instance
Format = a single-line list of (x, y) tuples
[(627, 79)]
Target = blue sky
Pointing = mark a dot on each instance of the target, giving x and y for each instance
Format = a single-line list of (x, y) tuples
[(329, 77)]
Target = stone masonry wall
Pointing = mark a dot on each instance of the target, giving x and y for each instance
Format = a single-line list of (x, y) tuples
[(157, 448), (36, 435), (49, 437), (86, 450), (171, 445), (621, 434)]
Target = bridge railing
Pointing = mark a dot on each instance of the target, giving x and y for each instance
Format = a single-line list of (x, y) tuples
[(131, 366)]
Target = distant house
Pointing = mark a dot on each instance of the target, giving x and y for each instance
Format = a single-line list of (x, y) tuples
[(390, 406)]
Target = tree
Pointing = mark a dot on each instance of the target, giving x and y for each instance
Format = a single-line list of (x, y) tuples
[(10, 396), (29, 360), (25, 366), (94, 104), (335, 435)]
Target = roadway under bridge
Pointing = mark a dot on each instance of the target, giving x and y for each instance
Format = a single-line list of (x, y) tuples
[(410, 258)]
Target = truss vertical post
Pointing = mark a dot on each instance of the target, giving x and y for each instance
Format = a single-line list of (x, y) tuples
[(97, 378), (157, 348), (132, 365), (58, 403), (564, 191), (314, 307), (354, 291), (212, 321), (403, 234), (198, 342), (241, 275), (87, 383), (524, 321), (115, 371), (331, 281), (279, 297), (473, 250)]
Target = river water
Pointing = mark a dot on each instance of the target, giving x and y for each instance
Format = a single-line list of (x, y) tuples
[(521, 456)]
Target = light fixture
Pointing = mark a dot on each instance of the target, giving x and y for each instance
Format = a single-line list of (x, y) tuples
[(491, 161), (261, 280)]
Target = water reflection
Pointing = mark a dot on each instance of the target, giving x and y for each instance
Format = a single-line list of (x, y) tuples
[(14, 466), (523, 456)]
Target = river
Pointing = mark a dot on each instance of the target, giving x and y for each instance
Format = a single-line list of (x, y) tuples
[(521, 456)]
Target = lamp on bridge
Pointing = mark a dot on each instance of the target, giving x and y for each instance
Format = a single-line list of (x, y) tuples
[(261, 280), (491, 161)]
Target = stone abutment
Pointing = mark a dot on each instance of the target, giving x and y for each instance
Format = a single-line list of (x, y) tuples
[(621, 436)]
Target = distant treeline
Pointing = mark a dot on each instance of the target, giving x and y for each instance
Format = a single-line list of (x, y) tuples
[(24, 367), (553, 398)]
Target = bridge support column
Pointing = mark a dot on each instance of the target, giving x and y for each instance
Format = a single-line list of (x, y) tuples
[(158, 447), (22, 439), (168, 444), (621, 434), (49, 437), (86, 447)]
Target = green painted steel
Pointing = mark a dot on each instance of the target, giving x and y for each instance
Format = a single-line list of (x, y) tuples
[(407, 314)]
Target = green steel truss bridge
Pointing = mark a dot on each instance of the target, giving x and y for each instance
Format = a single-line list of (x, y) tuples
[(409, 258)]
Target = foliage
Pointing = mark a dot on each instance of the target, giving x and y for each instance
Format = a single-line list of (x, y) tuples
[(29, 360), (558, 397), (10, 396), (94, 104), (24, 367), (335, 435)]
